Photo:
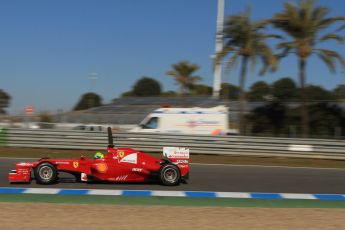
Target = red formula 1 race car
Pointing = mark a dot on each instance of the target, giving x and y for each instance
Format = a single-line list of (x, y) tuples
[(117, 165)]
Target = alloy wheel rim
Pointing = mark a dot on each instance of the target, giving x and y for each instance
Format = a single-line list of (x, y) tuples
[(46, 173), (170, 175)]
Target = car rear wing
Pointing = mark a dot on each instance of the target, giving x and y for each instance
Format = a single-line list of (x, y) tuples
[(179, 157)]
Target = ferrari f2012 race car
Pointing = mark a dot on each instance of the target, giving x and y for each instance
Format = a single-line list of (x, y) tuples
[(117, 165)]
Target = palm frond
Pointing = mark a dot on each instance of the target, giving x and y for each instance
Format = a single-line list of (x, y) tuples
[(332, 36), (269, 60), (171, 73), (340, 28), (330, 58), (328, 61), (329, 21), (319, 13), (268, 36), (223, 53), (306, 9), (194, 79), (245, 38), (231, 63), (286, 48), (183, 75), (288, 20), (260, 24), (289, 45), (303, 22)]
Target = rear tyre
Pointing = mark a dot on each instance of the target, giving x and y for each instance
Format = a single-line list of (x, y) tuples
[(45, 173), (170, 175)]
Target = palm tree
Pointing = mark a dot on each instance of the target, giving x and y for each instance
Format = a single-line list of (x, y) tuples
[(303, 23), (245, 42), (183, 74)]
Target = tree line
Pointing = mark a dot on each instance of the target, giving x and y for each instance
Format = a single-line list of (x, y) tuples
[(284, 90), (305, 25)]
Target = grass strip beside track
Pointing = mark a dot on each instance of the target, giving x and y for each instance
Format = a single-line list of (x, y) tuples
[(172, 201), (210, 159)]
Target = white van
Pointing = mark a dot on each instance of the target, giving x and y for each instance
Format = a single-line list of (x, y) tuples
[(207, 121)]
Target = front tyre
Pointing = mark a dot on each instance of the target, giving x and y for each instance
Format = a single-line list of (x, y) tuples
[(45, 173), (170, 175)]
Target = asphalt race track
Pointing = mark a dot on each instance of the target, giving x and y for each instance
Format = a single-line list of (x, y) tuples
[(221, 178)]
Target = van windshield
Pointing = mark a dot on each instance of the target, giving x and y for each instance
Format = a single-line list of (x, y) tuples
[(151, 124)]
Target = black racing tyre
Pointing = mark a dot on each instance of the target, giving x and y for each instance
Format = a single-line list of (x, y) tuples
[(170, 175), (45, 173)]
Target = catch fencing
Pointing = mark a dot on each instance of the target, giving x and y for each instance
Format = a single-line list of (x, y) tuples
[(198, 144)]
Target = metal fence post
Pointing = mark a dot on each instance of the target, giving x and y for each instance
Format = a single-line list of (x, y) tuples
[(3, 137), (292, 131), (337, 133)]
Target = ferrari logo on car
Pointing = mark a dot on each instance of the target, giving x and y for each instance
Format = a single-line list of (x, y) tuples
[(75, 164), (121, 153)]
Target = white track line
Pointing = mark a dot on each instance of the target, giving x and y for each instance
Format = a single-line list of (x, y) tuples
[(41, 191)]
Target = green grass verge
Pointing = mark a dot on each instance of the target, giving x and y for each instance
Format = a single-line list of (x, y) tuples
[(171, 201)]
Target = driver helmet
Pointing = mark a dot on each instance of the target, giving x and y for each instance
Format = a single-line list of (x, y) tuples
[(98, 155)]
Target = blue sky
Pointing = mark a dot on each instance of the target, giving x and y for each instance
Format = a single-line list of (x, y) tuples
[(49, 48)]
